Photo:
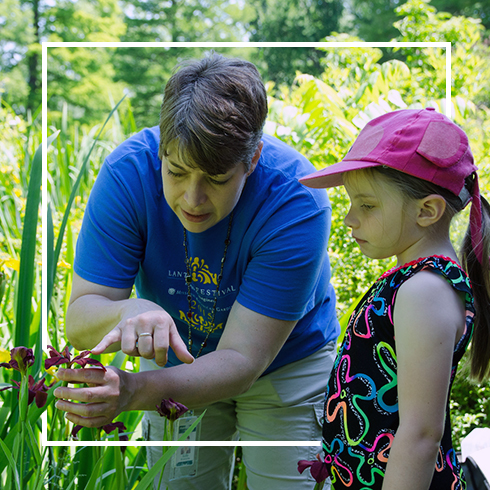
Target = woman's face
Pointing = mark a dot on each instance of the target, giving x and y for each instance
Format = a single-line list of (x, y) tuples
[(198, 199)]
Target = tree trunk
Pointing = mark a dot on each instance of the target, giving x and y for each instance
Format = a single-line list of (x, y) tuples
[(33, 63)]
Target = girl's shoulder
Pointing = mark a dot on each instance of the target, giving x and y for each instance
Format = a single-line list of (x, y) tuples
[(441, 265), (423, 287)]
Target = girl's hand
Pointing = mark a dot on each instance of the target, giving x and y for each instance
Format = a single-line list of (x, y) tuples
[(105, 397), (148, 334)]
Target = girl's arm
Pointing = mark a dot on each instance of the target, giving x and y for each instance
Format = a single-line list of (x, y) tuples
[(429, 319)]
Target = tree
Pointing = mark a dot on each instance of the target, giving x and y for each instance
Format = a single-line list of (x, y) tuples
[(468, 8), (292, 21), (18, 36), (470, 57), (25, 23), (372, 20), (83, 77), (185, 20), (145, 70)]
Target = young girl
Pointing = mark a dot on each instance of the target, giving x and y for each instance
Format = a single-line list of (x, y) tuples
[(386, 420)]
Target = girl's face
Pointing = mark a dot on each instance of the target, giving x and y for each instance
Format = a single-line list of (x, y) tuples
[(382, 223), (198, 199)]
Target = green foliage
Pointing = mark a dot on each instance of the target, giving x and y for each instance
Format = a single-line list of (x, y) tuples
[(292, 21), (16, 25), (25, 23), (83, 79), (372, 20), (470, 57), (145, 70), (470, 405), (84, 20), (469, 8), (18, 430), (180, 21), (19, 141)]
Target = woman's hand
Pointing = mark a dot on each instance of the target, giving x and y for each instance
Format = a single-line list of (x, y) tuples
[(105, 397), (109, 319), (147, 332)]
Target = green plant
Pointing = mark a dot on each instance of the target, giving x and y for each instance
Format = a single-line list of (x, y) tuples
[(19, 433)]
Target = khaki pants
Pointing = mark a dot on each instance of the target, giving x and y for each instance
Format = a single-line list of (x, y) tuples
[(285, 405)]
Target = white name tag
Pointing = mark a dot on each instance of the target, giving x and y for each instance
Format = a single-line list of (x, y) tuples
[(184, 460)]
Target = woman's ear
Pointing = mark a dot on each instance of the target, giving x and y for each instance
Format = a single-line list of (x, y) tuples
[(431, 210), (255, 158)]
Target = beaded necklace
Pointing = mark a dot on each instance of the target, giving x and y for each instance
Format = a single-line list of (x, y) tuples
[(188, 280)]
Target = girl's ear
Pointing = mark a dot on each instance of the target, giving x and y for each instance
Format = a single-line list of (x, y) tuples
[(431, 210)]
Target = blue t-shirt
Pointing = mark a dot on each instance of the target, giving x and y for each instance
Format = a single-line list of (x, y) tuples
[(276, 264)]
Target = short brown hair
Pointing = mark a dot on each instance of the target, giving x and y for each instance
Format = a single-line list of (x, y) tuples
[(214, 109)]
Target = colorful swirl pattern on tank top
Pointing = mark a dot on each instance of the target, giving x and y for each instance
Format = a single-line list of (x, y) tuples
[(361, 404)]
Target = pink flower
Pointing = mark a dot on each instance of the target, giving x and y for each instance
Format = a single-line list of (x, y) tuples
[(56, 358), (21, 358), (318, 469), (108, 428), (38, 391), (75, 431), (171, 409)]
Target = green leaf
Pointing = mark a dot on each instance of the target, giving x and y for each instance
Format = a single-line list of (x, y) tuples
[(14, 473), (118, 359), (38, 482), (9, 439), (52, 265), (113, 471), (50, 257), (136, 467), (95, 475), (242, 478), (28, 250)]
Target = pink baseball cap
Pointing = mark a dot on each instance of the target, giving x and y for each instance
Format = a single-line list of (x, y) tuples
[(419, 142)]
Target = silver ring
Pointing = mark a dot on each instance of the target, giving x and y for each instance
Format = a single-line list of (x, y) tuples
[(145, 334)]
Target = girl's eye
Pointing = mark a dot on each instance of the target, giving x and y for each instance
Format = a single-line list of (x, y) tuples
[(367, 206)]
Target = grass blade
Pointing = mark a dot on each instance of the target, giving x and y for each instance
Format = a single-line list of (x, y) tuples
[(51, 266), (28, 252), (12, 465)]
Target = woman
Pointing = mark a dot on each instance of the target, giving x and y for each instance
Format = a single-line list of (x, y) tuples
[(228, 253)]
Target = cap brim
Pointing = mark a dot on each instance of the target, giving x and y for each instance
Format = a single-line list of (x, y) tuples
[(332, 176)]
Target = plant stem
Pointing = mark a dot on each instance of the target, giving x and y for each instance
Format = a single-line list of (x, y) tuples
[(23, 407)]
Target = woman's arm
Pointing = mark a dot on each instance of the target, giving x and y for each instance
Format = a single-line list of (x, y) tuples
[(98, 312), (249, 343), (429, 319)]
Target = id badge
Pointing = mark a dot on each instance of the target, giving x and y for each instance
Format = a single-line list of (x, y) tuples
[(184, 460)]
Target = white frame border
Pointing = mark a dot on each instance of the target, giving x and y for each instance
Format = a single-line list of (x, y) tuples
[(45, 46)]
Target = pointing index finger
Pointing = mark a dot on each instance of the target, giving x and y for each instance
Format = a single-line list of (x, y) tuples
[(111, 338)]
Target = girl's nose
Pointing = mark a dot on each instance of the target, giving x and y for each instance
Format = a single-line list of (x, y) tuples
[(350, 220)]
